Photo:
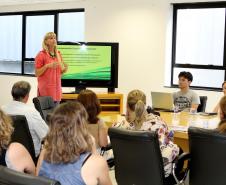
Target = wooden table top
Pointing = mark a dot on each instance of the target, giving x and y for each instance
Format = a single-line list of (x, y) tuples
[(184, 121)]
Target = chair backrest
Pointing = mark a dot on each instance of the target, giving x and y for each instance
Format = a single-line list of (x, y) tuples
[(208, 157), (21, 134), (11, 177), (137, 157), (150, 110), (202, 105), (44, 104)]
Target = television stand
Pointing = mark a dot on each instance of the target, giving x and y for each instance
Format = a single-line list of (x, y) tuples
[(111, 89), (79, 89), (111, 103)]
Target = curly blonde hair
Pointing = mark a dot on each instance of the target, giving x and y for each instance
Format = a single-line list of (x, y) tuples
[(68, 136), (6, 130)]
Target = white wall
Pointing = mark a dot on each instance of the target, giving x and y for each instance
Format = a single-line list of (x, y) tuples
[(142, 28)]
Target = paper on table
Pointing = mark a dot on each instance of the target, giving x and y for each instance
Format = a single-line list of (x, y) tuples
[(207, 123), (179, 128)]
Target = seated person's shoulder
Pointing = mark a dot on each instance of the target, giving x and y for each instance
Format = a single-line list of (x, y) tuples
[(16, 148), (94, 163), (32, 112), (192, 92), (153, 122), (222, 126), (15, 152), (195, 97), (101, 123), (94, 157), (176, 94), (95, 170)]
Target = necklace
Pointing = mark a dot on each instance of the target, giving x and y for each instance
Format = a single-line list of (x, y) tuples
[(52, 54)]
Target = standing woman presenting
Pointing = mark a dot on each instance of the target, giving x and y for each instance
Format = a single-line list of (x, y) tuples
[(49, 66)]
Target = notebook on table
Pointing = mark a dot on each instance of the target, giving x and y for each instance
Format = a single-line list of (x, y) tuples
[(162, 101)]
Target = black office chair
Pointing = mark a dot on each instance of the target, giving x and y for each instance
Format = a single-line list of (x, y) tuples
[(137, 157), (207, 161), (45, 105), (110, 161), (202, 105), (150, 110), (21, 134), (11, 177)]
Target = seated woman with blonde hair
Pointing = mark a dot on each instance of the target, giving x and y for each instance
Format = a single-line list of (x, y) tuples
[(13, 155), (222, 113), (96, 125), (217, 107), (137, 118), (68, 150)]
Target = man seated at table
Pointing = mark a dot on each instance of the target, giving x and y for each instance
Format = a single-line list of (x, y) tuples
[(37, 126), (185, 98)]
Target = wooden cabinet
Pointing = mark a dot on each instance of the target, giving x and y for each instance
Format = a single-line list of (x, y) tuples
[(111, 103)]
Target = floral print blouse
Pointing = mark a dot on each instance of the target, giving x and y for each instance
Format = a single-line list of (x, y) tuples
[(168, 149)]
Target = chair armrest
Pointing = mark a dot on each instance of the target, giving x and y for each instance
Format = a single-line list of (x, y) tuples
[(106, 148), (110, 161), (150, 110), (180, 159)]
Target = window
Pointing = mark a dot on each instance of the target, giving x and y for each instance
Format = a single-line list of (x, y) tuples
[(199, 43), (36, 28), (22, 34), (77, 29), (10, 47)]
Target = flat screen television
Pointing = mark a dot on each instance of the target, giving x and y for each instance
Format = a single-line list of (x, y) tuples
[(90, 64)]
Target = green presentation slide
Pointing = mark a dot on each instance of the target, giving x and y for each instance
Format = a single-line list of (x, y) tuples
[(86, 62)]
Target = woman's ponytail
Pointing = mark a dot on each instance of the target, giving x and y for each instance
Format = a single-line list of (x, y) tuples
[(140, 112)]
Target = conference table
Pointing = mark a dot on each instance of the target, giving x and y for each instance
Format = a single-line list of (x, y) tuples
[(185, 119), (178, 122)]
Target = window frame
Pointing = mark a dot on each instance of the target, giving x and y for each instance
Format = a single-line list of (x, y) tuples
[(198, 5), (24, 14)]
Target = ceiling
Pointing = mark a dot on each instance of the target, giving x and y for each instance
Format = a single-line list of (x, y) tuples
[(17, 2)]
